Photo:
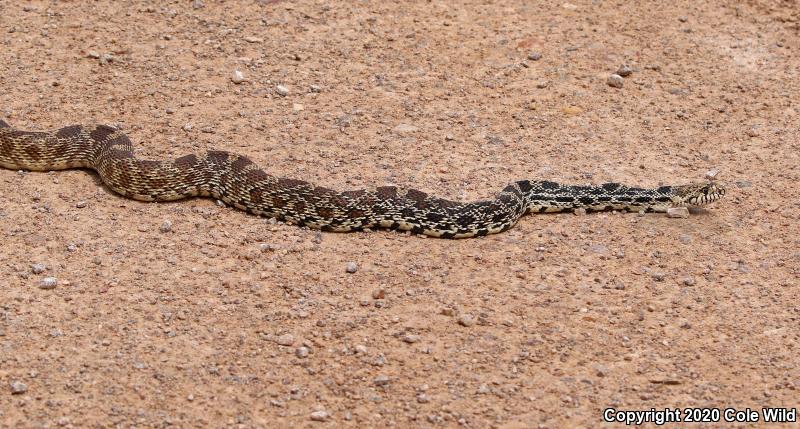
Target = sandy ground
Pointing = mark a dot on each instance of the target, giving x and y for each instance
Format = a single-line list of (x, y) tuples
[(229, 320)]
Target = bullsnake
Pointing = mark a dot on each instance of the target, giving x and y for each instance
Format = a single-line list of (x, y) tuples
[(239, 182)]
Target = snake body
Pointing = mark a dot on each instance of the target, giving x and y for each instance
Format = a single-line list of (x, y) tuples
[(239, 182)]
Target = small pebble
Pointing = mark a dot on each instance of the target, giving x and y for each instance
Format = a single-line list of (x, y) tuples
[(466, 320), (405, 129), (542, 84), (285, 340), (302, 352), (267, 247), (615, 81), (297, 107), (534, 56), (411, 338), (80, 204), (379, 294), (237, 77), (580, 211), (18, 387), (624, 70), (381, 380), (351, 267), (319, 416), (678, 212), (315, 88), (712, 174), (38, 268), (166, 226), (688, 281), (423, 398), (252, 39), (282, 90), (48, 283)]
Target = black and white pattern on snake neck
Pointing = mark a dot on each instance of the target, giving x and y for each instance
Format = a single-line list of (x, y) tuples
[(239, 182)]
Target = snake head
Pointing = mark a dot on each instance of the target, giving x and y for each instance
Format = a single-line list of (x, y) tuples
[(697, 194)]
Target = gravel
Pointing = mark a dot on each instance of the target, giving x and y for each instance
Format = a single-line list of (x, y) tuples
[(534, 56), (381, 380), (624, 70), (18, 387), (320, 416), (302, 352), (678, 212), (615, 81), (166, 226), (285, 340), (237, 77), (282, 90), (411, 338), (38, 268), (48, 283), (351, 267), (405, 129), (466, 320)]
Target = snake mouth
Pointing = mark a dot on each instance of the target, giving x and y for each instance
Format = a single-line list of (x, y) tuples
[(698, 195)]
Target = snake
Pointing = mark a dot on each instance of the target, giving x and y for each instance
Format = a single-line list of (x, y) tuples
[(239, 182)]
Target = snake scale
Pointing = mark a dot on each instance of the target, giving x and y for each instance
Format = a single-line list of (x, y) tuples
[(239, 182)]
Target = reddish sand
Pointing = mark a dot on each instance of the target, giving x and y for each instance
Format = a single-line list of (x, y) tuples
[(230, 320)]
